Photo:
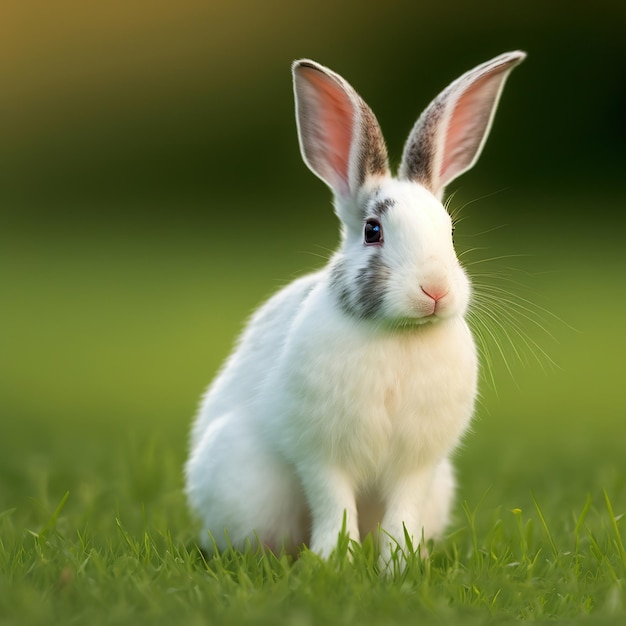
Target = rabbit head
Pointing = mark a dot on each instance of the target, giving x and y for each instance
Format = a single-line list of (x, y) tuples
[(396, 263)]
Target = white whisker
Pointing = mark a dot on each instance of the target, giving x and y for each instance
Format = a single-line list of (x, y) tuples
[(469, 251), (508, 324), (497, 258), (484, 232)]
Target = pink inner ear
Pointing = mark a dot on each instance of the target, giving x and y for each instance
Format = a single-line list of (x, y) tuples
[(468, 126), (335, 120)]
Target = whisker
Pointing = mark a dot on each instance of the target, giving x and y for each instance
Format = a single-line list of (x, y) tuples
[(469, 251), (532, 306), (509, 314), (470, 202), (448, 201), (528, 313), (484, 232), (498, 258), (496, 343), (507, 321), (483, 349), (325, 254)]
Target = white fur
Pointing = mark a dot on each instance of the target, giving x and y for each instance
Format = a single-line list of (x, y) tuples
[(320, 413), (312, 403)]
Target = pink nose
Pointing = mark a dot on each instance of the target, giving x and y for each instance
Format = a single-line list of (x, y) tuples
[(436, 293)]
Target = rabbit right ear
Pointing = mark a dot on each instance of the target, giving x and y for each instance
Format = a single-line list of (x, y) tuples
[(340, 139), (448, 137)]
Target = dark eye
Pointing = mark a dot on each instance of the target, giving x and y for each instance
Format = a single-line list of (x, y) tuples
[(373, 232)]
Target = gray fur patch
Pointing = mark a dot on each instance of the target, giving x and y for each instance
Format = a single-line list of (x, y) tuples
[(371, 284), (382, 206), (373, 206), (339, 285), (373, 151), (419, 151), (362, 296)]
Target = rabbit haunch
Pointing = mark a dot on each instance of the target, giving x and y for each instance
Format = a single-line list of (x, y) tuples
[(350, 388)]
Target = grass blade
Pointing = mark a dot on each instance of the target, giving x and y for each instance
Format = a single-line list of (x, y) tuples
[(618, 538), (555, 550), (579, 523), (51, 523)]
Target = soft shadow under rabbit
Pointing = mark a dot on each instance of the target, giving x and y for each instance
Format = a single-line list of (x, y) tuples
[(349, 388)]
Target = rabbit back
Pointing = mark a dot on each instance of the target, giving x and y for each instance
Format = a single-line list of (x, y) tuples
[(239, 487), (244, 372)]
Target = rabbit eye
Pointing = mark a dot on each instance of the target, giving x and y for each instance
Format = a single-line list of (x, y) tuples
[(373, 232)]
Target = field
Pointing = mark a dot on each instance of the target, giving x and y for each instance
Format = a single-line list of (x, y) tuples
[(110, 331)]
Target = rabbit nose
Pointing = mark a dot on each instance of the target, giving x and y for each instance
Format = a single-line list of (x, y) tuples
[(435, 292)]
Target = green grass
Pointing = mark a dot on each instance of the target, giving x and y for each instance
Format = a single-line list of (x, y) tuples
[(109, 337), (497, 565)]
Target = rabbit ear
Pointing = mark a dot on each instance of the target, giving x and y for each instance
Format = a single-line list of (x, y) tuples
[(449, 135), (340, 138)]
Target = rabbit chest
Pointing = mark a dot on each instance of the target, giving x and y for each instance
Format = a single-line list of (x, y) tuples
[(374, 401)]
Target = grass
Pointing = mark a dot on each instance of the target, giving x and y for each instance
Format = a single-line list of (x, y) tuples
[(108, 340), (497, 565)]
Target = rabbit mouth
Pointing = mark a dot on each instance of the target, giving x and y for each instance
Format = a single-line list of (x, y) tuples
[(415, 321), (428, 309), (423, 316)]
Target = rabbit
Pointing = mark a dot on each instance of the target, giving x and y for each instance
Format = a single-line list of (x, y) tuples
[(349, 389)]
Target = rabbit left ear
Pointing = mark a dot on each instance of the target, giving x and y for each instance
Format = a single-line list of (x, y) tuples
[(449, 136), (340, 138)]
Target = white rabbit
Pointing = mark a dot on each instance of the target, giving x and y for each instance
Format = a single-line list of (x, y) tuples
[(350, 388)]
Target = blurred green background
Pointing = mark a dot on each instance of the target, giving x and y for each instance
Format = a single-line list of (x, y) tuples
[(152, 194)]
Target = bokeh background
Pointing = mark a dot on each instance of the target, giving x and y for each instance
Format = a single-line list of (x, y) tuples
[(152, 194)]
